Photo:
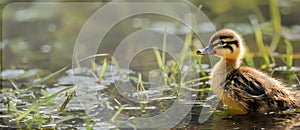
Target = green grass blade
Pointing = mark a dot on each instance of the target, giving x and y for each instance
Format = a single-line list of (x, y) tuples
[(77, 60), (187, 44), (259, 40), (249, 59), (103, 69), (39, 103), (197, 79), (274, 42), (275, 15), (276, 21), (289, 54), (199, 59), (42, 80), (93, 66), (188, 39), (163, 55), (88, 122), (140, 86), (115, 62), (14, 84), (198, 90), (158, 58), (117, 113)]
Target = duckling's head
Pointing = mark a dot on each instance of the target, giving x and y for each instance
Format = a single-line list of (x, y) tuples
[(225, 43)]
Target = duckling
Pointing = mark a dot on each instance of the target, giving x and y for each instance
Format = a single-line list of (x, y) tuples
[(243, 89)]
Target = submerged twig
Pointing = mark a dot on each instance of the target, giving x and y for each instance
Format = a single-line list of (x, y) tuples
[(69, 98)]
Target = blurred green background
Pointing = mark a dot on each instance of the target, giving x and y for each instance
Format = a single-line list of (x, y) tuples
[(44, 38)]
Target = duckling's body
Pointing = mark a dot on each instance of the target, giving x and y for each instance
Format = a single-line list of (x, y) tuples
[(243, 89)]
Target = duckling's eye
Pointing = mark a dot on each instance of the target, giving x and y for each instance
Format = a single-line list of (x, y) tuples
[(221, 42), (225, 42)]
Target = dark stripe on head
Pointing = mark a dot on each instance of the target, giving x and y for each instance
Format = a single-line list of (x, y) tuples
[(226, 37), (235, 42), (217, 37), (229, 47)]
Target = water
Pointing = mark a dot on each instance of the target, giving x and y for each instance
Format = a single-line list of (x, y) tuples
[(38, 39)]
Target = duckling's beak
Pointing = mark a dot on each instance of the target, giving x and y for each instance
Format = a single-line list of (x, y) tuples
[(206, 51)]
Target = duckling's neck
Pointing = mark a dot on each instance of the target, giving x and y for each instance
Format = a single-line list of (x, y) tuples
[(220, 72), (228, 65)]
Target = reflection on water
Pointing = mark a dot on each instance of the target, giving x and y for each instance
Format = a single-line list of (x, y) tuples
[(269, 121)]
